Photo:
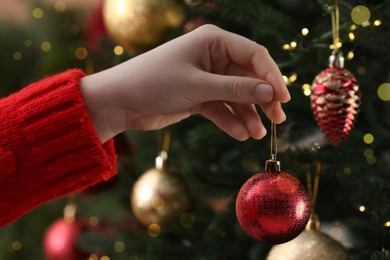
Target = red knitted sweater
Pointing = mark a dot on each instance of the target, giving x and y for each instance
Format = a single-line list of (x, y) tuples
[(48, 147)]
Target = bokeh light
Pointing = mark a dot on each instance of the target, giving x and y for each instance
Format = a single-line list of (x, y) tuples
[(384, 91), (45, 46), (81, 53), (37, 13), (59, 6), (154, 230), (368, 138), (360, 14)]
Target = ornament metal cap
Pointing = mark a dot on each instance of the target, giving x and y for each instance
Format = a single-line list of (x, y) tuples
[(272, 165), (336, 59), (161, 160)]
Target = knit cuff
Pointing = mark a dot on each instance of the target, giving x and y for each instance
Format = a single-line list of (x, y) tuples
[(56, 149)]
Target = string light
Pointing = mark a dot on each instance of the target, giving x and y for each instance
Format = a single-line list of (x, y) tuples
[(93, 221), (28, 43), (360, 14), (351, 36), (387, 224), (286, 46), (17, 56), (75, 28), (306, 89), (81, 53), (293, 44), (119, 246), (154, 230), (305, 31), (362, 208), (377, 23), (347, 171), (384, 91), (59, 6), (350, 55), (37, 13), (368, 138), (187, 220), (45, 46), (118, 50)]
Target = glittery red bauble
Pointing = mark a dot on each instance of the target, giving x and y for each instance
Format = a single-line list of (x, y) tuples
[(272, 207), (60, 241), (335, 100)]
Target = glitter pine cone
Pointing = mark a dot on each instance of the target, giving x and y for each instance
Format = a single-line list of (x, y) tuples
[(335, 100)]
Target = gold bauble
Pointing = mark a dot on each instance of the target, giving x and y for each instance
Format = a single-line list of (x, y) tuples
[(160, 196), (310, 244), (142, 24)]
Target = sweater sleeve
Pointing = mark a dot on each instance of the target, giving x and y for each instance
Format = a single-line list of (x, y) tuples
[(48, 147)]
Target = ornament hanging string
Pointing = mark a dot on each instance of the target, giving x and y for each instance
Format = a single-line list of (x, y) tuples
[(335, 15), (166, 139), (274, 144), (312, 186)]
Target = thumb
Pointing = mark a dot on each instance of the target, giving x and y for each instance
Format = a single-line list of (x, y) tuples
[(237, 89)]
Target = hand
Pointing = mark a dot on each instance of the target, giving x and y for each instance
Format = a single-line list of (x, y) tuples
[(208, 71)]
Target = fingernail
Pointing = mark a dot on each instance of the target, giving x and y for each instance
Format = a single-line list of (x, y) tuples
[(264, 93)]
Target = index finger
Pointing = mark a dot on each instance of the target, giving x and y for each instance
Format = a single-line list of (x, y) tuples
[(248, 53)]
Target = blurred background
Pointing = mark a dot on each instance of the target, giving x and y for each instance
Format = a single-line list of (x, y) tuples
[(336, 139)]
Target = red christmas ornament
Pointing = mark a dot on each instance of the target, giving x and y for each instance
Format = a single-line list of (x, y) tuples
[(335, 100), (60, 240), (272, 207)]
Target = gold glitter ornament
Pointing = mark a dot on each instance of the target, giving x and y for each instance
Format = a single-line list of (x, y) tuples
[(160, 196), (139, 25), (310, 244)]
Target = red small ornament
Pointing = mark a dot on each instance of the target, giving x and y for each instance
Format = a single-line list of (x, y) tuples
[(335, 100), (272, 207), (60, 240)]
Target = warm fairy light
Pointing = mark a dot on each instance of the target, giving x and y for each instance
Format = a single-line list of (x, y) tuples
[(285, 78), (104, 258), (81, 53), (351, 36), (118, 50), (371, 160), (119, 246), (387, 224), (293, 77), (353, 27), (17, 55), (360, 14), (28, 43), (59, 6), (366, 24), (347, 171), (37, 13), (368, 152), (14, 246), (305, 31), (93, 221), (93, 257), (46, 46), (75, 28), (377, 22), (384, 91), (307, 92), (154, 230), (286, 46), (361, 70), (293, 44), (213, 167), (362, 208), (368, 138), (306, 89), (350, 55), (187, 220)]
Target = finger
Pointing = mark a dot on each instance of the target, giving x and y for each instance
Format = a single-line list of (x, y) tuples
[(249, 54), (273, 110), (220, 115), (251, 119), (231, 88)]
